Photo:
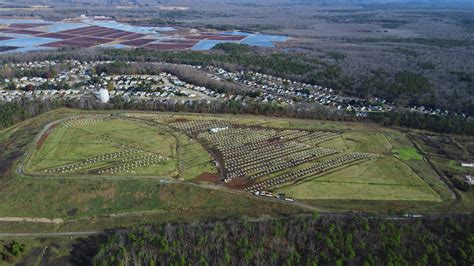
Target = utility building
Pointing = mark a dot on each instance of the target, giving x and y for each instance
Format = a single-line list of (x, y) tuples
[(104, 95)]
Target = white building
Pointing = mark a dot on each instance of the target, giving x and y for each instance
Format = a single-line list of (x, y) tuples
[(218, 129), (471, 165), (104, 95), (469, 180)]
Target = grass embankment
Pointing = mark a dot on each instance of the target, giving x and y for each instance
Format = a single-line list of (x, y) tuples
[(74, 199)]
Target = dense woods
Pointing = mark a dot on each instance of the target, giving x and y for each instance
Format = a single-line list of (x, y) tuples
[(14, 112), (442, 124), (325, 240), (405, 88)]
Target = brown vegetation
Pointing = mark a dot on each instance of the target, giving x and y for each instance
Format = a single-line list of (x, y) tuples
[(208, 177)]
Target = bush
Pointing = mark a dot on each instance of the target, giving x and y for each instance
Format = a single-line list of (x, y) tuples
[(16, 248), (461, 184)]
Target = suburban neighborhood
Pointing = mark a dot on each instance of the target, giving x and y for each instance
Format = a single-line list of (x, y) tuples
[(78, 80)]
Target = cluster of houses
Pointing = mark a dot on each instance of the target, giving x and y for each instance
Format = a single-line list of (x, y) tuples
[(152, 87), (432, 111), (13, 95), (73, 70), (78, 76), (467, 177), (76, 73), (34, 64), (284, 91), (70, 77), (167, 88)]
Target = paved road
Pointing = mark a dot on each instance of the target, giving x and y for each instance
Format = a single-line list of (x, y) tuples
[(21, 167), (32, 220), (51, 234), (111, 231)]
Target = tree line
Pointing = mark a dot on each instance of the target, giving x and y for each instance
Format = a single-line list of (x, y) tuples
[(304, 240), (436, 123), (13, 112)]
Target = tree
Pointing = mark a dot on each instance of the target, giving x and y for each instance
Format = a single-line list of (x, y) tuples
[(17, 248), (111, 86), (29, 87), (11, 86)]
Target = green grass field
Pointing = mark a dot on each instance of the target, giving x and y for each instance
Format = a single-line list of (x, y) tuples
[(360, 141), (195, 159), (409, 153), (385, 179), (68, 145), (381, 179)]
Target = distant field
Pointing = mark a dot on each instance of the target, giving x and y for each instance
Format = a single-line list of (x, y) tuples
[(31, 8)]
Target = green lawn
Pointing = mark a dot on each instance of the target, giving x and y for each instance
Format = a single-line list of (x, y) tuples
[(408, 153), (194, 158), (360, 141), (381, 179), (68, 145), (187, 159)]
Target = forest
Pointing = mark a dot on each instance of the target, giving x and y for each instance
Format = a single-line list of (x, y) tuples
[(304, 240)]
